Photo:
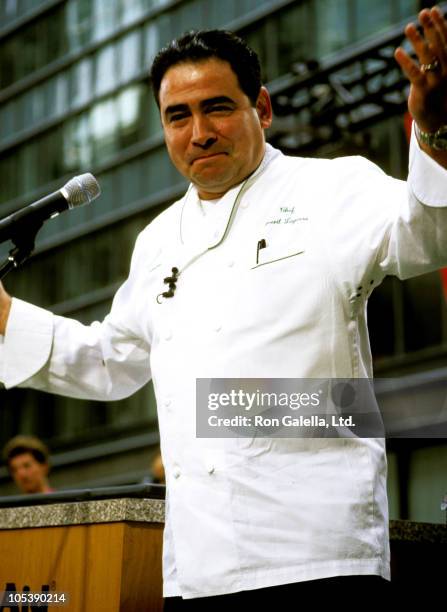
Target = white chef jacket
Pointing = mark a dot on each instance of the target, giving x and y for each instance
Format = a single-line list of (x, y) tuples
[(245, 513)]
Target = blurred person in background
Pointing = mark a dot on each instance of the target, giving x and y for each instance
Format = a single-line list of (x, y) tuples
[(158, 470), (27, 459), (156, 473)]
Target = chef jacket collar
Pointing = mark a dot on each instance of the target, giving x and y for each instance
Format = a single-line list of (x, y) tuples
[(192, 230)]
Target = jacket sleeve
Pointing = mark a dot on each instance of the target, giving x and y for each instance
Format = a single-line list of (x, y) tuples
[(417, 237), (102, 361), (385, 226)]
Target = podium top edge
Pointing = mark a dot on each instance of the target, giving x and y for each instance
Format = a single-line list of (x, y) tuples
[(138, 491)]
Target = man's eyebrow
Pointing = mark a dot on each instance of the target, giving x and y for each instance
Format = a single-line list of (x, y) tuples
[(216, 100)]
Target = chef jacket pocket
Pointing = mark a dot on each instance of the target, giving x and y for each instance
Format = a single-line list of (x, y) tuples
[(272, 257), (278, 245)]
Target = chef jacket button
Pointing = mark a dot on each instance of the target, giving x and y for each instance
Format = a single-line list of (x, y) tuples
[(210, 468), (167, 403), (231, 264), (217, 327), (176, 472), (168, 335)]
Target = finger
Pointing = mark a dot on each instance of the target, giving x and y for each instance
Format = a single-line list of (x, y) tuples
[(434, 36), (409, 67), (440, 22), (419, 44)]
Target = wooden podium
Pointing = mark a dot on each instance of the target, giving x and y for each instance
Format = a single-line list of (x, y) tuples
[(105, 555), (108, 559)]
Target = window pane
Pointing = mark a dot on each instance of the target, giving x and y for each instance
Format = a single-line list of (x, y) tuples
[(332, 28), (372, 17), (218, 13), (104, 18), (296, 32), (105, 70), (257, 41), (50, 156), (37, 104), (131, 10), (189, 15), (81, 82), (129, 113), (20, 119), (151, 44), (28, 167), (34, 45), (54, 36), (8, 177), (408, 8), (8, 63), (129, 54), (77, 144), (7, 115), (50, 98), (165, 29), (157, 171), (79, 23), (61, 93), (104, 130), (160, 2), (151, 114), (129, 176), (32, 53), (27, 106), (10, 9), (104, 204)]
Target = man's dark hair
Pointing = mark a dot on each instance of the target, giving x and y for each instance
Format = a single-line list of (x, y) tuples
[(197, 46), (26, 444)]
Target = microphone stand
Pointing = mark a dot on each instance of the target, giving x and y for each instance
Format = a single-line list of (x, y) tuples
[(23, 248)]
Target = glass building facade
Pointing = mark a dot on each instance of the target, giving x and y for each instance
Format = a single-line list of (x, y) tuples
[(75, 97)]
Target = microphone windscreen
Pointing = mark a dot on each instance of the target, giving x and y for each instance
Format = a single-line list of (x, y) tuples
[(81, 189)]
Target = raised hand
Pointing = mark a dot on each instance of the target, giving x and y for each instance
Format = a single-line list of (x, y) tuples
[(427, 101)]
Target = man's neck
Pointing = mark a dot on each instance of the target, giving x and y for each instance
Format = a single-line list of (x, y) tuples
[(206, 195)]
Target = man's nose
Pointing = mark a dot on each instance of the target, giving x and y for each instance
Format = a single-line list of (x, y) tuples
[(203, 134)]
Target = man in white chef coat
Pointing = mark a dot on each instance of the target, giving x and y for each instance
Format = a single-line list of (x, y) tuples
[(262, 270)]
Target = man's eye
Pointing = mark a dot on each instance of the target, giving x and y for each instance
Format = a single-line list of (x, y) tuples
[(178, 117), (219, 107)]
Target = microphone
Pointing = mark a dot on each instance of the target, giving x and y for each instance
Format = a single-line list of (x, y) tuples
[(79, 190), (172, 282)]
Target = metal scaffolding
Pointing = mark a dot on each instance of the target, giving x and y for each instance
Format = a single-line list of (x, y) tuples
[(328, 102)]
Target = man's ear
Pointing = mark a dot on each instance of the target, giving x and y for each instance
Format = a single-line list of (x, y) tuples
[(264, 108)]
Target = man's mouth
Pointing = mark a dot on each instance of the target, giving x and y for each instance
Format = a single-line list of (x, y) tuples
[(205, 157)]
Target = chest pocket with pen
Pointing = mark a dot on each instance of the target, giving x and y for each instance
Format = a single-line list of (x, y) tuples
[(277, 246)]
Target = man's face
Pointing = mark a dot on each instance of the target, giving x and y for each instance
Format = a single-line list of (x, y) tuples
[(28, 474), (214, 136)]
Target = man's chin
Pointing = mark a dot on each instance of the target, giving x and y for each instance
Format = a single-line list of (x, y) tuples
[(27, 490), (212, 183)]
